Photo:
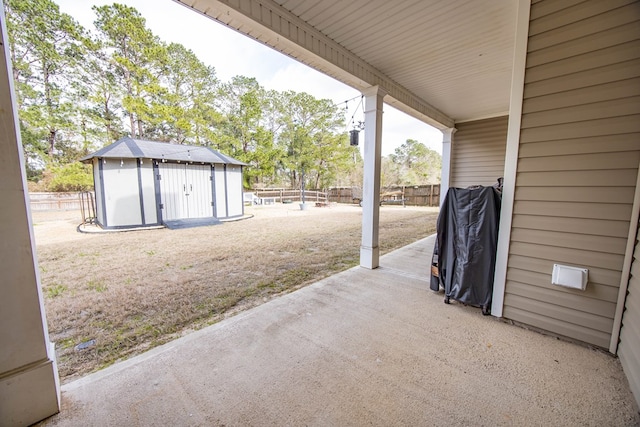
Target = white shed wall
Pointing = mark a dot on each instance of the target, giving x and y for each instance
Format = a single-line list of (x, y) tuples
[(148, 192), (234, 191), (129, 193), (221, 192), (121, 193), (97, 185)]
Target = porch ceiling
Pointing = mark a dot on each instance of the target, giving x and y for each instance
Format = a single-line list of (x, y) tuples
[(442, 61)]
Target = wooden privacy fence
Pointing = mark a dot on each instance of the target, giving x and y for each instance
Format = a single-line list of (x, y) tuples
[(284, 195), (413, 195), (54, 201)]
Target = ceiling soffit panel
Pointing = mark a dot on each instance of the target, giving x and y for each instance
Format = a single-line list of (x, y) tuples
[(275, 25), (458, 54)]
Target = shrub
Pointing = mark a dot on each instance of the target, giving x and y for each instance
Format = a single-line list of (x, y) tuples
[(70, 177)]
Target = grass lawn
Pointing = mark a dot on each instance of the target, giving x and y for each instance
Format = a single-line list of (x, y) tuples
[(120, 294)]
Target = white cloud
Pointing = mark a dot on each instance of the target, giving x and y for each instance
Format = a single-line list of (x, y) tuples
[(397, 127), (300, 78)]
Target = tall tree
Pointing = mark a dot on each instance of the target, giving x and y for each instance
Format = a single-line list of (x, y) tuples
[(390, 173), (334, 158), (46, 48), (245, 132), (309, 138), (136, 55), (416, 163), (189, 114), (102, 100)]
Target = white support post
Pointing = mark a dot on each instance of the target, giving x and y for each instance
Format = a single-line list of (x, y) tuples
[(445, 177), (369, 250), (626, 270), (29, 387), (511, 157)]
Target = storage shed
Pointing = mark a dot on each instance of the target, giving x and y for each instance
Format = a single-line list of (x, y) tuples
[(142, 183)]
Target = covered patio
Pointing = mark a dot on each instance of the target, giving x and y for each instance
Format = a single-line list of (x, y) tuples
[(545, 94), (362, 347)]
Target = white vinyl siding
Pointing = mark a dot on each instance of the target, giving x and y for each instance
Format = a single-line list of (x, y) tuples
[(577, 166), (478, 152)]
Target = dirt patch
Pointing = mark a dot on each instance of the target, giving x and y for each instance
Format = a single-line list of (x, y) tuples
[(110, 296)]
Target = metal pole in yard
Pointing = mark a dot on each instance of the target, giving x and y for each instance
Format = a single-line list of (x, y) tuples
[(81, 198), (302, 186)]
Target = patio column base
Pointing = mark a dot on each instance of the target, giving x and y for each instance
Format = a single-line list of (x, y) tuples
[(30, 394), (369, 257)]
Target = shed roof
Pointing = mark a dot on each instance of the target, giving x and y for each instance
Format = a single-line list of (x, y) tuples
[(129, 148)]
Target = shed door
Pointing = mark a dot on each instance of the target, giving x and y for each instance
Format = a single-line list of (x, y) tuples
[(185, 191), (199, 191)]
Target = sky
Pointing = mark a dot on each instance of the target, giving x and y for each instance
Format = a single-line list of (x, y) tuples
[(233, 54)]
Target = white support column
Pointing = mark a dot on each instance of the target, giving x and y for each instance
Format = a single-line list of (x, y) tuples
[(445, 177), (29, 388), (511, 156), (369, 250)]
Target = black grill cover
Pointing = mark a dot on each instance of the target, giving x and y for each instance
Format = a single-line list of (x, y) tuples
[(467, 237)]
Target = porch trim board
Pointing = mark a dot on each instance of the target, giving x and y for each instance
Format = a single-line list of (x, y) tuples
[(511, 156), (626, 269), (627, 334)]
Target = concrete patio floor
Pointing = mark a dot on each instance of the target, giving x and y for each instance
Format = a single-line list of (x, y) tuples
[(363, 347)]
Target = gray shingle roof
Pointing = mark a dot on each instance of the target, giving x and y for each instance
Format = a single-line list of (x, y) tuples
[(129, 148)]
